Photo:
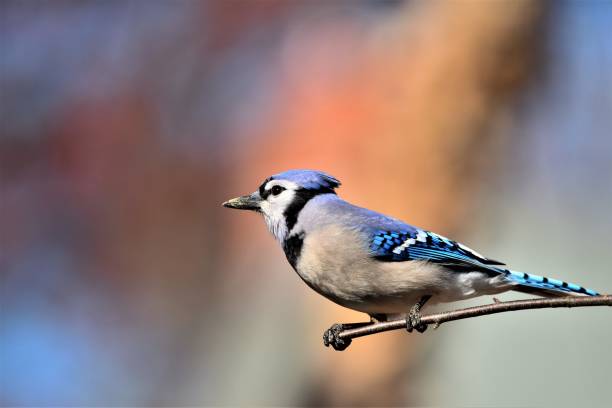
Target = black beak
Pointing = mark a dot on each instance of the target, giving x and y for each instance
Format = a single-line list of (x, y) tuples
[(246, 202)]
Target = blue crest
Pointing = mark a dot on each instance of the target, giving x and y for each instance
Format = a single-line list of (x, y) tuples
[(308, 179)]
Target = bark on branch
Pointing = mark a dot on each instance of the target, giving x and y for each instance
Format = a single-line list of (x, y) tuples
[(340, 337)]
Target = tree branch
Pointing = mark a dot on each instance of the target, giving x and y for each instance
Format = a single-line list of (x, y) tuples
[(340, 337)]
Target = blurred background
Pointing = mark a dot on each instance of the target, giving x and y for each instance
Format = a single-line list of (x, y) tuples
[(125, 124)]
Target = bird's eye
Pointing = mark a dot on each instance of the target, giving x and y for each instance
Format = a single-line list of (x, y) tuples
[(276, 190)]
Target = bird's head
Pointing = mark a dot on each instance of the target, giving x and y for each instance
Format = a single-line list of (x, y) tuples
[(281, 197)]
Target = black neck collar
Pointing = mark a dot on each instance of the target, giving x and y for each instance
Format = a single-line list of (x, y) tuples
[(302, 196)]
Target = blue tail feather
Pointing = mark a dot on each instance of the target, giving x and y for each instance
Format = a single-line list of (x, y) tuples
[(541, 282)]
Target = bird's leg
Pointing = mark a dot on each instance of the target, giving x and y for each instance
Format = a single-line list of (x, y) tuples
[(332, 335), (377, 318), (413, 319)]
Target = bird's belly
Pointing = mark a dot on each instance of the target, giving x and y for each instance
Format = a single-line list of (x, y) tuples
[(366, 297), (376, 287), (366, 285)]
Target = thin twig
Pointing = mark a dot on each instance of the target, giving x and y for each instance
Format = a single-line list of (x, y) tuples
[(344, 336)]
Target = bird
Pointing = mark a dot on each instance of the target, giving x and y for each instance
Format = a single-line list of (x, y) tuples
[(374, 263)]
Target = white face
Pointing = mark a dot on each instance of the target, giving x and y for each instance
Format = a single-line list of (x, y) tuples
[(277, 196)]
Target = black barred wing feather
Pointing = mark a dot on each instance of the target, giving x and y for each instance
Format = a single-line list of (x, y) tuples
[(420, 245), (399, 246)]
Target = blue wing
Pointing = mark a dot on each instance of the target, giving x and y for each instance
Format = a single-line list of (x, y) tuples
[(414, 245), (405, 245)]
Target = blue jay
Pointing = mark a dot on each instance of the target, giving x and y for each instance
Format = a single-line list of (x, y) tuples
[(373, 263)]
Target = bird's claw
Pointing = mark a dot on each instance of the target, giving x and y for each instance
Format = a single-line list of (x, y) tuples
[(332, 337), (413, 320)]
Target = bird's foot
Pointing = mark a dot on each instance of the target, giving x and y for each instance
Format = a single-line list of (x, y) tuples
[(332, 337), (413, 319)]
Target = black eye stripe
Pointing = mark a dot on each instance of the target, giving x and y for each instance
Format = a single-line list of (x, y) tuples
[(274, 190), (262, 189)]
